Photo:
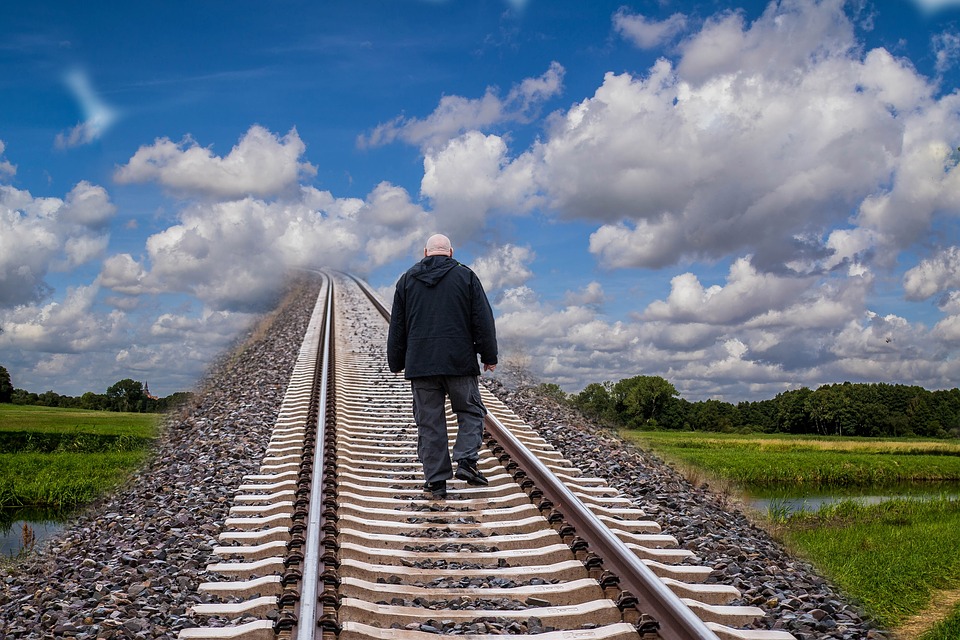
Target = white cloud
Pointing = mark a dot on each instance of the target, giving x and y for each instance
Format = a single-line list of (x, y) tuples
[(260, 165), (591, 295), (123, 274), (822, 334), (39, 235), (81, 250), (98, 116), (747, 294), (469, 178), (233, 255), (946, 46), (761, 139), (456, 115), (644, 32), (933, 275), (790, 35), (506, 266), (88, 205), (6, 167), (68, 326), (948, 329)]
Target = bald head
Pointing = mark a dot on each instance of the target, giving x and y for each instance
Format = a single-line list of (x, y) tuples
[(438, 245)]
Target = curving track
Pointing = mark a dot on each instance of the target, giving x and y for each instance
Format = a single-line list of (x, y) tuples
[(334, 537)]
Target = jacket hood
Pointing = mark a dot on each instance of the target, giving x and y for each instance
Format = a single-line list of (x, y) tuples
[(431, 269)]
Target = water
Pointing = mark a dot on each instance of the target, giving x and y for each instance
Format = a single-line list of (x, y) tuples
[(43, 524), (787, 503)]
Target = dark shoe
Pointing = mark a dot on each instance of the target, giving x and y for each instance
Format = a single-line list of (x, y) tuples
[(437, 490), (467, 470)]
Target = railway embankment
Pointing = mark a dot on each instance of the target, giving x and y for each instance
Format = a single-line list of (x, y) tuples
[(129, 566), (709, 523)]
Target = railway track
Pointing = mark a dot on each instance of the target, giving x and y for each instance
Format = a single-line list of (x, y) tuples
[(335, 539)]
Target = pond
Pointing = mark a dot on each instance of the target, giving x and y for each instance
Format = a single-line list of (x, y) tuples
[(25, 528), (784, 503)]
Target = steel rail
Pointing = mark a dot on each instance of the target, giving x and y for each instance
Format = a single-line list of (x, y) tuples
[(677, 620), (307, 627)]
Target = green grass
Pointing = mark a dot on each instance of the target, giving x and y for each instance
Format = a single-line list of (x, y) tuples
[(97, 451), (58, 480), (54, 420), (770, 461), (892, 557)]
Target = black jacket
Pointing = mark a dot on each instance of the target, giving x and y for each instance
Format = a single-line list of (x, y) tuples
[(441, 320)]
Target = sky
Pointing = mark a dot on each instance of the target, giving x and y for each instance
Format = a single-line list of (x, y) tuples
[(740, 197)]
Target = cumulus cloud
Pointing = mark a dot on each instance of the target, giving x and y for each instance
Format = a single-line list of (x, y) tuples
[(946, 46), (591, 295), (644, 32), (98, 115), (261, 164), (823, 332), (88, 205), (38, 235), (933, 275), (746, 295), (761, 138), (6, 167), (456, 115), (506, 266), (471, 177), (68, 326), (123, 274), (233, 255)]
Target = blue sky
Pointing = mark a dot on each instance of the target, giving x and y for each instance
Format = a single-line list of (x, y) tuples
[(742, 198)]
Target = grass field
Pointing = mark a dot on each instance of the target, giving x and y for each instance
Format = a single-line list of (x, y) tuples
[(897, 558), (58, 480), (772, 461), (50, 419), (66, 478), (893, 556)]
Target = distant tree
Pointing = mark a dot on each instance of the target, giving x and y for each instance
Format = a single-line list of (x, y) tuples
[(675, 415), (173, 401), (643, 398), (6, 386), (50, 399), (792, 416), (94, 401), (597, 402), (126, 395)]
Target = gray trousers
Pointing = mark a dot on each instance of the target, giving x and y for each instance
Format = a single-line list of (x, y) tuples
[(429, 396)]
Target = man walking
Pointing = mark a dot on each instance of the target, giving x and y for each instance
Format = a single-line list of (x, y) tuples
[(441, 320)]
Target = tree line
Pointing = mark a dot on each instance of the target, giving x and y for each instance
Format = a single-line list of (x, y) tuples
[(125, 395), (847, 409)]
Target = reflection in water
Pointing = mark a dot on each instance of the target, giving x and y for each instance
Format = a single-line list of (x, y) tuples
[(22, 529), (784, 503)]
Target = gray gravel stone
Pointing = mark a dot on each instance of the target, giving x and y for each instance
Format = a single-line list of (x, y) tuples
[(129, 565), (791, 593)]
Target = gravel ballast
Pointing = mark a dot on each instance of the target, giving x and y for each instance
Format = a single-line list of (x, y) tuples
[(722, 536), (129, 565)]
